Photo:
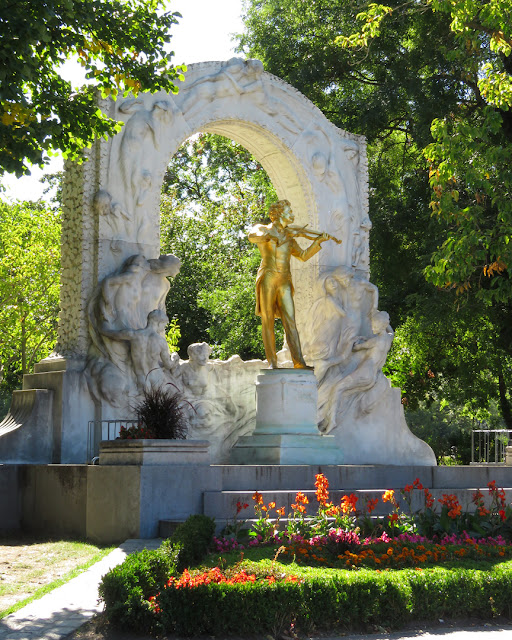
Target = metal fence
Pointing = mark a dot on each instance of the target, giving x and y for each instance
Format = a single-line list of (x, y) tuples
[(488, 445), (99, 430)]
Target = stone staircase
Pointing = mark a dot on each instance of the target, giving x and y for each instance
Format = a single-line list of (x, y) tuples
[(280, 483)]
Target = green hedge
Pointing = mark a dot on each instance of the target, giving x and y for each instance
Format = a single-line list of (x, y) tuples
[(126, 589), (194, 536), (347, 600)]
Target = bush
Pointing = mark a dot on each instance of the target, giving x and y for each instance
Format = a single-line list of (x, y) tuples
[(194, 536), (336, 600), (126, 589), (161, 413)]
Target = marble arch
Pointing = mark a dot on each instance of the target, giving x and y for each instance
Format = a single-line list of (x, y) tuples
[(114, 281), (112, 200)]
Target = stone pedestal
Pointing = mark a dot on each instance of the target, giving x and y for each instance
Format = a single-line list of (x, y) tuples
[(286, 423)]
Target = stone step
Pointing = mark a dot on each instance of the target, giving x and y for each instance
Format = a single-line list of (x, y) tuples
[(222, 505), (344, 477), (167, 527)]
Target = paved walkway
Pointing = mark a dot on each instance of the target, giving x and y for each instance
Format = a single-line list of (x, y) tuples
[(63, 610), (58, 613)]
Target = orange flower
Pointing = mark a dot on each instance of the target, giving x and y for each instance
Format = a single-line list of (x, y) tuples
[(477, 497), (280, 512), (348, 503), (257, 497), (455, 511), (321, 484), (271, 505), (389, 496), (482, 511), (332, 510), (301, 498), (393, 517)]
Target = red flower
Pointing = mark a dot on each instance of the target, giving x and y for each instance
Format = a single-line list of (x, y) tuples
[(240, 506), (371, 504), (418, 484), (429, 499), (503, 515)]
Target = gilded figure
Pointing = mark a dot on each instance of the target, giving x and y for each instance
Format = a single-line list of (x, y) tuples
[(274, 288)]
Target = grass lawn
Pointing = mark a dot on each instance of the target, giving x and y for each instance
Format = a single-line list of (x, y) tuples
[(31, 567)]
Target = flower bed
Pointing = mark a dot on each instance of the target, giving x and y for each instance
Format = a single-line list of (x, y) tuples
[(339, 568)]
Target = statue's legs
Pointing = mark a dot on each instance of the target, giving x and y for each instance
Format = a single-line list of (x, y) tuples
[(267, 310), (286, 309)]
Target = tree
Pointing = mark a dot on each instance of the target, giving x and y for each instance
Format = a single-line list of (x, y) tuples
[(471, 154), (214, 190), (411, 65), (121, 44), (29, 287)]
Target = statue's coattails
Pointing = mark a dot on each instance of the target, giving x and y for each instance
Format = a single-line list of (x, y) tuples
[(274, 288)]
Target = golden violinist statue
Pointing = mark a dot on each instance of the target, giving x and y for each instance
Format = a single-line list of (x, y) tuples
[(274, 288)]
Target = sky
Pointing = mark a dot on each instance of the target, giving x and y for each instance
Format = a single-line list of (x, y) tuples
[(203, 33)]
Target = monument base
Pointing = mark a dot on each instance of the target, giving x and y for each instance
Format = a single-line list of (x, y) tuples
[(286, 449), (286, 423)]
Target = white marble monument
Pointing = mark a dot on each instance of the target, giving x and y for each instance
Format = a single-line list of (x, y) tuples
[(114, 280)]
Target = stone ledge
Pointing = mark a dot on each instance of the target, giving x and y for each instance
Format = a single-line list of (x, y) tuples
[(154, 452)]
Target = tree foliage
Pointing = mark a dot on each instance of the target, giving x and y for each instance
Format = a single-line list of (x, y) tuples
[(121, 44), (471, 154), (214, 190), (29, 287)]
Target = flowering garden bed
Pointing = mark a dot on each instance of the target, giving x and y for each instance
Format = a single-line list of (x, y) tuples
[(338, 568)]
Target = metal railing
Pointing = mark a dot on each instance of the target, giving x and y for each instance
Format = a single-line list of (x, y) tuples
[(99, 430), (488, 445)]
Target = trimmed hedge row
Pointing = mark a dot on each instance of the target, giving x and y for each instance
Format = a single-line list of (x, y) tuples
[(126, 589), (347, 600)]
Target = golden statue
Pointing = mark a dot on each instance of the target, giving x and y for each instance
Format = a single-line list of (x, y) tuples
[(274, 288)]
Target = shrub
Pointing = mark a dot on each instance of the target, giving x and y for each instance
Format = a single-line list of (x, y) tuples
[(126, 589), (194, 536), (161, 412), (338, 600)]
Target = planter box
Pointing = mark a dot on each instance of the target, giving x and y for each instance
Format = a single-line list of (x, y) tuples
[(154, 452)]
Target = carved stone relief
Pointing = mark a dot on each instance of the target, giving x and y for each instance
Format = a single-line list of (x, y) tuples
[(127, 326), (114, 282)]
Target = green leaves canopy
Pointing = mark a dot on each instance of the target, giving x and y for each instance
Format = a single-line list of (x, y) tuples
[(29, 286), (214, 190), (122, 46)]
